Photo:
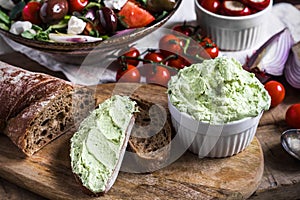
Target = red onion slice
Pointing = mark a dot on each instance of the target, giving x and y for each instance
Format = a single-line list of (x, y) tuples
[(271, 57), (292, 68)]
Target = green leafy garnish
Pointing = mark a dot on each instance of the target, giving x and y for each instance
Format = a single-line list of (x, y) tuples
[(28, 34), (4, 27), (4, 18)]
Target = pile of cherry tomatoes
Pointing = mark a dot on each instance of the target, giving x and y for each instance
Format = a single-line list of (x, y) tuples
[(181, 47), (234, 7)]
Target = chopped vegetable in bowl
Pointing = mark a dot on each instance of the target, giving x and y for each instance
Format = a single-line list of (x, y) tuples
[(75, 21)]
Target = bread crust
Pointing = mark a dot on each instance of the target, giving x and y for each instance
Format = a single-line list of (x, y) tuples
[(37, 108), (16, 83)]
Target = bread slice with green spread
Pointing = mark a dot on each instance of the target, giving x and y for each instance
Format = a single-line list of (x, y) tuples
[(98, 147)]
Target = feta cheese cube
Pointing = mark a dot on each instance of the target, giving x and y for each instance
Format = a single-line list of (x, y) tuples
[(75, 26), (19, 27), (115, 4)]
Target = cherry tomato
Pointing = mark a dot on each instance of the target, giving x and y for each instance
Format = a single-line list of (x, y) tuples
[(257, 5), (292, 116), (130, 57), (128, 73), (178, 62), (31, 12), (184, 29), (170, 44), (205, 41), (210, 49), (211, 5), (160, 75), (77, 5), (276, 91), (209, 52), (155, 57), (235, 8)]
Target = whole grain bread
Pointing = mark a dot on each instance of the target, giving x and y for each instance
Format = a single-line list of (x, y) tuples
[(37, 108), (151, 136)]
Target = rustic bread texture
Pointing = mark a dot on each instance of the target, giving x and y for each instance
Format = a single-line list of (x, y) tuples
[(37, 108), (150, 137)]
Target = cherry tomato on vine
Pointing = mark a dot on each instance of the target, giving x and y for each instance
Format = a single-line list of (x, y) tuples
[(128, 73), (151, 56), (170, 44), (156, 57), (130, 57), (209, 52), (277, 92), (292, 116), (205, 41), (177, 62), (184, 29), (160, 75), (210, 49), (77, 5), (31, 12), (211, 5)]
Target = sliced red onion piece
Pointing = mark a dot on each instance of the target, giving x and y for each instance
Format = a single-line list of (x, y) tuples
[(67, 38), (292, 68), (125, 32), (273, 54)]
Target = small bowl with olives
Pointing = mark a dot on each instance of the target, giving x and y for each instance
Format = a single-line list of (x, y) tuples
[(74, 28), (234, 24)]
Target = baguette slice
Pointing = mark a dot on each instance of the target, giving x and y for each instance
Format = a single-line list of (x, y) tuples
[(98, 147), (37, 108), (150, 139), (15, 88)]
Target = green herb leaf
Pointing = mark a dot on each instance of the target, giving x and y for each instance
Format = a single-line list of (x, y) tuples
[(28, 34), (4, 17), (4, 27), (36, 27), (42, 36)]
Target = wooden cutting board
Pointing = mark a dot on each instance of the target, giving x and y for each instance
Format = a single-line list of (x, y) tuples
[(48, 172)]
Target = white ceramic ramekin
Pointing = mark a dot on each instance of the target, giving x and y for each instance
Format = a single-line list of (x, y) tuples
[(216, 141), (233, 32)]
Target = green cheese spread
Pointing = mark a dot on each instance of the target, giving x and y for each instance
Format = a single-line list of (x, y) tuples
[(218, 91), (96, 146)]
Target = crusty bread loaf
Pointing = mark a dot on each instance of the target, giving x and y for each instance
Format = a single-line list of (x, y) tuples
[(151, 137), (37, 108)]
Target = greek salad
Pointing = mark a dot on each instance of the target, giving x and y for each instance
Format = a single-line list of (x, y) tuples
[(79, 20)]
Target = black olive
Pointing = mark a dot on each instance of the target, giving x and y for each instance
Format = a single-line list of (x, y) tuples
[(106, 20), (52, 11), (160, 5)]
